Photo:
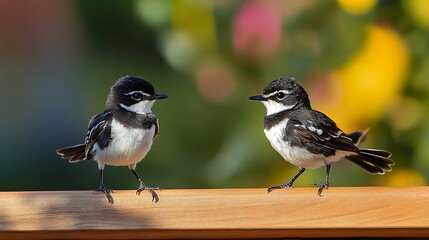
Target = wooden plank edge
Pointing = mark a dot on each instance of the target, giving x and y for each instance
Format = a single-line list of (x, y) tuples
[(220, 199), (216, 234)]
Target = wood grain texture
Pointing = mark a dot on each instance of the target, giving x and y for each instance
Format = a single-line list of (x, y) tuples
[(217, 213)]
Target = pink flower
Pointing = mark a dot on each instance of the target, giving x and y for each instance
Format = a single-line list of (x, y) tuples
[(256, 30)]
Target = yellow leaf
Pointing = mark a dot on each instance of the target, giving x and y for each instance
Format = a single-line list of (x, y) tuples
[(370, 81)]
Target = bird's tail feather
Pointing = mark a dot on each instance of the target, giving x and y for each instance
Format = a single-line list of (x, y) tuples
[(358, 136), (373, 160), (376, 152), (74, 153)]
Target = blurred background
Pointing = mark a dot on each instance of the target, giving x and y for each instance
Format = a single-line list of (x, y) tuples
[(365, 63)]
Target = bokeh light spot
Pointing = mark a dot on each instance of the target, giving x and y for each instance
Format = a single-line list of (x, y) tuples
[(357, 7), (418, 10), (215, 82), (154, 13), (406, 113), (179, 50), (404, 177)]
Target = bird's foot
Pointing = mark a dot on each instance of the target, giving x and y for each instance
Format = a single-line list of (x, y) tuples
[(106, 191), (286, 185), (321, 187), (143, 187)]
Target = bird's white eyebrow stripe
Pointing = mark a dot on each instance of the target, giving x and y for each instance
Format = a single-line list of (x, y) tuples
[(131, 93), (274, 93)]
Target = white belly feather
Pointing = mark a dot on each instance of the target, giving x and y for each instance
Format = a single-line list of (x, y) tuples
[(294, 155), (128, 146)]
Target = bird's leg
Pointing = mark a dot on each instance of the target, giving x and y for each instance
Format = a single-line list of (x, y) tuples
[(326, 185), (105, 190), (288, 184), (143, 187)]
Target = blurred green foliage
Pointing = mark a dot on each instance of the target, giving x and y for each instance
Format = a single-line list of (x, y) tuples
[(58, 60)]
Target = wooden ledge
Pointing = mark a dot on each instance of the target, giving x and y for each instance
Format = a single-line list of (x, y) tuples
[(217, 213)]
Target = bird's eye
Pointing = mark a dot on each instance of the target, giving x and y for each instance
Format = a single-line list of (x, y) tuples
[(136, 96), (280, 96)]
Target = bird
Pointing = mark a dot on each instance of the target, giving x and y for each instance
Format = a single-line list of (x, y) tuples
[(308, 138), (123, 133)]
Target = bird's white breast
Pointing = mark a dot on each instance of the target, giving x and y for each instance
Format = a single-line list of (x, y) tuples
[(295, 155), (128, 146)]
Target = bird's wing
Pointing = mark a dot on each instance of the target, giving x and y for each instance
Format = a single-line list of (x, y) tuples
[(323, 132), (98, 132)]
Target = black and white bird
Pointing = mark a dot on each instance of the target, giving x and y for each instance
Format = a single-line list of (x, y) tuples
[(308, 138), (122, 135)]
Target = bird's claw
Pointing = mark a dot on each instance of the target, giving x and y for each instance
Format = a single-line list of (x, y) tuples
[(286, 185), (321, 187), (142, 187), (107, 192)]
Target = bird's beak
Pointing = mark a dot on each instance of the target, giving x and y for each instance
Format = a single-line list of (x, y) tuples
[(158, 96), (258, 98)]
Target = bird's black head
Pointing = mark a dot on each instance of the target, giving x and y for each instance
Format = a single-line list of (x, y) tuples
[(283, 94), (133, 94)]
